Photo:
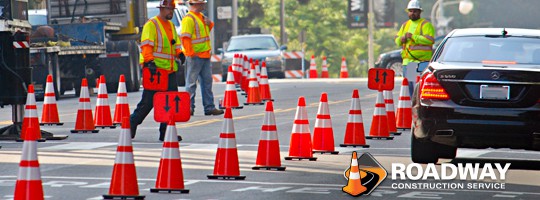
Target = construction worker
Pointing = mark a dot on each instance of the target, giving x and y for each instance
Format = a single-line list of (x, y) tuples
[(160, 48), (195, 35), (416, 37)]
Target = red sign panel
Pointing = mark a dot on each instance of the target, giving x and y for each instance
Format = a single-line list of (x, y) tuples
[(380, 79), (167, 104)]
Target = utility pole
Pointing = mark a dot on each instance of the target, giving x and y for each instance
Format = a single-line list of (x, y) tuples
[(210, 8), (282, 22), (371, 27), (234, 17)]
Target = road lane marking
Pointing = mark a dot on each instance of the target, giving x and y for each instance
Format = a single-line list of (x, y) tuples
[(80, 146)]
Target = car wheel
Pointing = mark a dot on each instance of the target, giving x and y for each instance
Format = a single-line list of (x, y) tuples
[(397, 66), (422, 151), (445, 151)]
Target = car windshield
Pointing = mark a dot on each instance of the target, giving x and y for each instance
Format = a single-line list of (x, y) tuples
[(37, 19), (153, 11), (482, 49), (252, 43)]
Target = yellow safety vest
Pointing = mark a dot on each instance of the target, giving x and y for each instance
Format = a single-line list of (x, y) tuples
[(421, 46), (195, 28), (164, 53)]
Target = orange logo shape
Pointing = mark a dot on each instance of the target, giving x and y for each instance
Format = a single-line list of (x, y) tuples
[(364, 175)]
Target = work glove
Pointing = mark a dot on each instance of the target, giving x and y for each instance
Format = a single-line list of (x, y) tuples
[(182, 58), (151, 65)]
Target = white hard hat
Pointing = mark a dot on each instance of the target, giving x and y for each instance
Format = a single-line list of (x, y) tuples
[(413, 4)]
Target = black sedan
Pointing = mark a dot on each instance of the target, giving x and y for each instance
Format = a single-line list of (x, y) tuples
[(480, 90)]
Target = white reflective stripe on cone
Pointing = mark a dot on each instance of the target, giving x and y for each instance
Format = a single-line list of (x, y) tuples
[(301, 113), (323, 108), (170, 134), (125, 138), (355, 104), (29, 173), (301, 128), (404, 104), (49, 100), (85, 106), (170, 153), (102, 88), (227, 143), (29, 146), (269, 135), (269, 119), (230, 87), (354, 175), (84, 92), (228, 126), (253, 83), (102, 102), (30, 113), (379, 111), (121, 100), (49, 87), (31, 99), (355, 118), (124, 158), (323, 123)]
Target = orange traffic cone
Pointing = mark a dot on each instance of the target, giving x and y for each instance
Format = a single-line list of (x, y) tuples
[(379, 124), (102, 118), (85, 121), (258, 71), (29, 185), (323, 134), (268, 156), (354, 132), (230, 99), (390, 113), (170, 176), (253, 92), (344, 72), (264, 86), (404, 109), (245, 69), (324, 72), (50, 109), (354, 186), (226, 165), (30, 118), (124, 176), (300, 144), (121, 108), (312, 68), (237, 68)]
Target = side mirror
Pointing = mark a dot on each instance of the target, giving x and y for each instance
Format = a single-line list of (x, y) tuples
[(422, 66), (283, 47), (220, 50)]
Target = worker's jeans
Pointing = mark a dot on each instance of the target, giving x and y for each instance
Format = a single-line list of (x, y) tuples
[(200, 69), (147, 103)]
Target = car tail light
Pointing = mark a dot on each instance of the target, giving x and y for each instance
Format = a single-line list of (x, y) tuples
[(432, 89)]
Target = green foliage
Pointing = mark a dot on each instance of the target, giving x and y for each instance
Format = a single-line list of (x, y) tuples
[(327, 34)]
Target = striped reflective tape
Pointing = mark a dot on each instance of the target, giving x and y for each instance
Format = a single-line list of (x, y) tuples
[(124, 158), (355, 119), (170, 153), (20, 44), (227, 143), (323, 123), (380, 109), (303, 128), (269, 135), (29, 173)]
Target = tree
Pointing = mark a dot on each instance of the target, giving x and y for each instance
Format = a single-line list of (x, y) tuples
[(324, 22)]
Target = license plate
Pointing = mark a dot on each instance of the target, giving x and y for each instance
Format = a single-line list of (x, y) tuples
[(495, 92)]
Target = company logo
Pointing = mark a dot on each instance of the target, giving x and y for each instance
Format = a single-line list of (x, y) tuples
[(364, 175)]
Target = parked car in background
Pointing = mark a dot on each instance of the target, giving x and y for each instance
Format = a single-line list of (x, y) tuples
[(392, 59), (179, 14), (480, 90), (262, 47)]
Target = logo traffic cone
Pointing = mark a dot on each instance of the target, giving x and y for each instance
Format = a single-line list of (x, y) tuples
[(31, 118), (324, 72), (102, 118), (84, 122), (121, 108), (29, 185), (253, 92), (390, 113), (170, 176), (404, 110), (300, 144), (354, 186), (268, 156), (124, 176), (344, 72), (226, 165), (264, 86), (323, 134), (50, 109), (230, 99), (312, 68), (354, 132), (379, 124)]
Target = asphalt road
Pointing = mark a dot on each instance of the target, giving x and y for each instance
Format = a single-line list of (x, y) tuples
[(80, 167)]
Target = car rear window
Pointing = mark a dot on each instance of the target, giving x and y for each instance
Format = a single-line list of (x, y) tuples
[(482, 49), (252, 43)]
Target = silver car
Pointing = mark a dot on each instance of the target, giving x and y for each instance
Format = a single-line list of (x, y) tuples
[(262, 47)]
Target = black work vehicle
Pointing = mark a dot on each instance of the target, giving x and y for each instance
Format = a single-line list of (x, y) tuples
[(480, 90)]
